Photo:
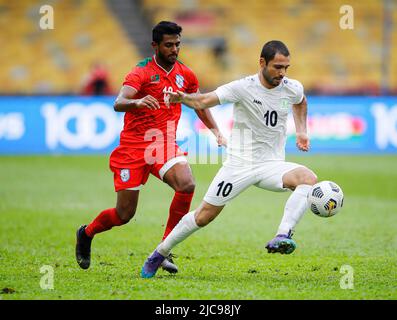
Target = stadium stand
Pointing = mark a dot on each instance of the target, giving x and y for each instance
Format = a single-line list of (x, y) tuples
[(221, 41), (326, 58), (36, 61)]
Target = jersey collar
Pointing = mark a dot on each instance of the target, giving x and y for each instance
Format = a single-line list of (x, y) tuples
[(167, 72)]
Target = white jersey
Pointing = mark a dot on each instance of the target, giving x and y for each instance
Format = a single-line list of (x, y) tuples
[(259, 130)]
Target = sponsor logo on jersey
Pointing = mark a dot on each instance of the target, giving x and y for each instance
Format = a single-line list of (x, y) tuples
[(179, 80), (125, 175), (155, 78), (257, 102)]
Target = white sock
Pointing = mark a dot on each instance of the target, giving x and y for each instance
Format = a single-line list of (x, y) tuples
[(295, 207), (185, 227)]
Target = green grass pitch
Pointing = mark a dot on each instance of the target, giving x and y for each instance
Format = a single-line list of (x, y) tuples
[(43, 199)]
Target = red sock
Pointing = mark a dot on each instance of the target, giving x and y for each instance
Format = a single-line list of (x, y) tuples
[(180, 205), (104, 221)]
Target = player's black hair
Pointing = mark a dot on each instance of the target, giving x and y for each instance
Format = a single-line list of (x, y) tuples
[(165, 27), (270, 49)]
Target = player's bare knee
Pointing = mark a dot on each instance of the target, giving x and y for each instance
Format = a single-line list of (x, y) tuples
[(202, 221), (125, 213), (206, 213), (126, 217), (187, 187), (313, 180), (201, 217), (308, 177)]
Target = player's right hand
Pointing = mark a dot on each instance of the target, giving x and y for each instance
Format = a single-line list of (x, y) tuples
[(148, 102)]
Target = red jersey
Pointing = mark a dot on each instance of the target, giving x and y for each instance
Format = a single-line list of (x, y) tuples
[(141, 124)]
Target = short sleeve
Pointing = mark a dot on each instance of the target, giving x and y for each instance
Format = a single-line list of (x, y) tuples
[(298, 92), (229, 92), (193, 84), (134, 79)]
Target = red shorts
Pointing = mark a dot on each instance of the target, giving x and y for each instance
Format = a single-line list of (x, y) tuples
[(131, 167)]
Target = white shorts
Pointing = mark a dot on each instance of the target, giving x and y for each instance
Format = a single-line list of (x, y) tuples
[(230, 181)]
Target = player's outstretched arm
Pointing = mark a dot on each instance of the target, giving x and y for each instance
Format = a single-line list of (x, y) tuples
[(198, 101), (125, 100), (207, 118), (299, 112)]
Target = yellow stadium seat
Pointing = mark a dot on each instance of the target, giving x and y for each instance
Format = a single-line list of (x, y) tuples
[(55, 61)]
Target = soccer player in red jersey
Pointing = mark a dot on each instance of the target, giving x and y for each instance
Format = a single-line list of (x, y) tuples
[(148, 140)]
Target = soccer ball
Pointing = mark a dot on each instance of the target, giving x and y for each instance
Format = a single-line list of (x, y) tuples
[(325, 199)]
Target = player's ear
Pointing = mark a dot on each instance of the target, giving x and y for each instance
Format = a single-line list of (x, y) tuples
[(154, 45), (262, 62)]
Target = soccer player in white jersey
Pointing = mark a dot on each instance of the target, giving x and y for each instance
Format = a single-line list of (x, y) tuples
[(256, 150)]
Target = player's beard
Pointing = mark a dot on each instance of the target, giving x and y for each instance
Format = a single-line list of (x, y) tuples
[(167, 60), (271, 81)]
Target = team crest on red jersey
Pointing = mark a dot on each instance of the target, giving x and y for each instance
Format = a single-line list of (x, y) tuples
[(125, 175), (179, 80)]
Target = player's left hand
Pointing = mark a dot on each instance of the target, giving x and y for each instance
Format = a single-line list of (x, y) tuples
[(221, 140), (302, 141)]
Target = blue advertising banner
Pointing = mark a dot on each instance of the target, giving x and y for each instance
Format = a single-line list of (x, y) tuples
[(59, 125), (87, 125), (351, 125)]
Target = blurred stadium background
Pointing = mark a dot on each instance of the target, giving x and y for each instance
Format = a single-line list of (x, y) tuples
[(95, 43), (221, 41)]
